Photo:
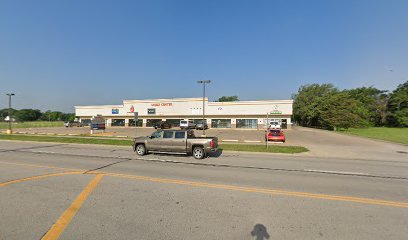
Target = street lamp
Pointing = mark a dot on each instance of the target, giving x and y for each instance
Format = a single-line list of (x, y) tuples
[(204, 82), (9, 131)]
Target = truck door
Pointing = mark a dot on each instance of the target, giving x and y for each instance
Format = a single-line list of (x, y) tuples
[(179, 143), (167, 143), (155, 142)]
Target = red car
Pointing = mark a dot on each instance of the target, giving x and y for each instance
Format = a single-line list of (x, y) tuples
[(276, 135)]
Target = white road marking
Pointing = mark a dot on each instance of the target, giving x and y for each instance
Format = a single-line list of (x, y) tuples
[(229, 140), (335, 172)]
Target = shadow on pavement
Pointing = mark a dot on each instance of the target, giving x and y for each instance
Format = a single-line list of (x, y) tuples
[(260, 232)]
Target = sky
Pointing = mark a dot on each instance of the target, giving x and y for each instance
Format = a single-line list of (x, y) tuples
[(59, 54)]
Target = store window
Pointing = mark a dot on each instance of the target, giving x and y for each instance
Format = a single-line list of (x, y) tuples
[(221, 123), (247, 123), (132, 122), (118, 122), (86, 122), (152, 122), (174, 122), (197, 121)]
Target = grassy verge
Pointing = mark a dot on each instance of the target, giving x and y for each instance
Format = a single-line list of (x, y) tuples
[(398, 135), (128, 142), (262, 148), (66, 140), (34, 124)]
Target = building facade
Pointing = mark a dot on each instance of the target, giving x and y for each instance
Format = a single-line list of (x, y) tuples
[(240, 114)]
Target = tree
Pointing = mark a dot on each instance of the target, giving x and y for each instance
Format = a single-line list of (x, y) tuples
[(5, 112), (399, 98), (228, 99), (398, 105), (375, 101), (307, 103), (28, 114), (340, 110)]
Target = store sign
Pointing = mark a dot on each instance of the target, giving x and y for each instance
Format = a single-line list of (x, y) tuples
[(132, 109), (115, 111), (162, 104), (151, 111), (276, 112)]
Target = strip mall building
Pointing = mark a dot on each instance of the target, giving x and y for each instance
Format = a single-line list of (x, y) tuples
[(240, 114)]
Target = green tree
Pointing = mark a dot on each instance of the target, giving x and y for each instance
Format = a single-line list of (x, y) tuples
[(28, 114), (5, 112), (399, 98), (398, 105), (228, 99), (340, 110), (308, 101), (375, 101)]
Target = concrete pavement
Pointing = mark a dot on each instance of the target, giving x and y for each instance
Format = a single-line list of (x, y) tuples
[(171, 197)]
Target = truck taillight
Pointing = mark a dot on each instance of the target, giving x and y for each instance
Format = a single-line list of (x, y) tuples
[(212, 143)]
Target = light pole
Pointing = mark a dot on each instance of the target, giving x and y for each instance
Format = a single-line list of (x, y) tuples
[(9, 131), (204, 82)]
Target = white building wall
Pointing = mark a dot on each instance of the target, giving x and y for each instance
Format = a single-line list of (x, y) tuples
[(185, 108)]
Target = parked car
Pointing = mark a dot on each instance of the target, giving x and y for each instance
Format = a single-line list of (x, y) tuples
[(162, 125), (275, 125), (201, 126), (72, 124), (187, 124), (276, 135), (175, 141)]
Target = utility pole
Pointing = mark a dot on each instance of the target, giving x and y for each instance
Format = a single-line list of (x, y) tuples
[(204, 82), (9, 131)]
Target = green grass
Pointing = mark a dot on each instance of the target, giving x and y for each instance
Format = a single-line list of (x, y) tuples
[(398, 135), (34, 124), (128, 142), (66, 140), (262, 148)]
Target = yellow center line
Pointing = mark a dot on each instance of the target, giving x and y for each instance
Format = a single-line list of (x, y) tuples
[(238, 188), (58, 228), (37, 177)]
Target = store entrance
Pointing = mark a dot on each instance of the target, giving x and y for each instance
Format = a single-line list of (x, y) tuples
[(284, 123)]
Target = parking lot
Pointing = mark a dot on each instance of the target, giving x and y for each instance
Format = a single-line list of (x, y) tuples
[(321, 143)]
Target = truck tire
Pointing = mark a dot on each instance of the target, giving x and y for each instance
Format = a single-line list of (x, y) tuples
[(198, 153), (140, 150)]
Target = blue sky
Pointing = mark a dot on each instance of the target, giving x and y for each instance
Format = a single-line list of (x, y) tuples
[(58, 54)]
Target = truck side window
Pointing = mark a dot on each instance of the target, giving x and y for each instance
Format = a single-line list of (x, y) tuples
[(180, 135), (168, 134), (157, 134)]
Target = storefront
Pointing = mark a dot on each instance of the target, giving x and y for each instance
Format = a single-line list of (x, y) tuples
[(230, 115)]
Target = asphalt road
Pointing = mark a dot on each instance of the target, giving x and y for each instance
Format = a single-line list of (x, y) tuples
[(68, 191)]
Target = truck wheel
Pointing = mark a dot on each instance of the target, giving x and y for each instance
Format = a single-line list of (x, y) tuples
[(198, 153), (140, 150)]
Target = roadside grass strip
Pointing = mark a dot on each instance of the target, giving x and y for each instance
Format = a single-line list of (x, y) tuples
[(262, 148), (33, 124), (128, 142), (397, 135), (56, 139)]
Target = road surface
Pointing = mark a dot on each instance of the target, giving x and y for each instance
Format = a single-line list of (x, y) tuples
[(69, 191)]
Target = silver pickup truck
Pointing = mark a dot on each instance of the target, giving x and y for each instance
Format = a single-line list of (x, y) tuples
[(175, 141)]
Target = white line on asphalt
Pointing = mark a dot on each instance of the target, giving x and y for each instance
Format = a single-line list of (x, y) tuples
[(335, 172), (252, 141), (229, 140)]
